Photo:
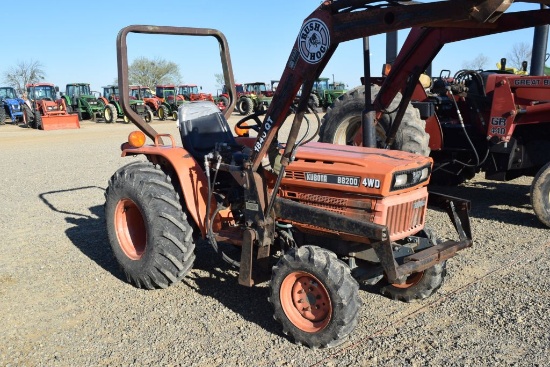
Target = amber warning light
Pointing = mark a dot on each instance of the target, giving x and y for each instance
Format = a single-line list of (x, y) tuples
[(136, 139)]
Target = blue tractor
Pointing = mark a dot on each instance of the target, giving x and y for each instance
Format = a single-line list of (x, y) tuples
[(10, 105)]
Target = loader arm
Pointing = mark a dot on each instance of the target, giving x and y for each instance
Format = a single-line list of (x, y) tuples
[(340, 21)]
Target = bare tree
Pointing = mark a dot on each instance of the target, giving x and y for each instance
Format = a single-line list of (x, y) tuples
[(144, 71), (520, 52), (479, 63), (24, 73), (220, 81)]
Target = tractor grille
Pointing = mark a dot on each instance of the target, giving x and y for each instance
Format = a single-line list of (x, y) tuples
[(404, 217), (404, 214)]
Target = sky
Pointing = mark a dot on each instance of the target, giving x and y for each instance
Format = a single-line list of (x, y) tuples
[(76, 43)]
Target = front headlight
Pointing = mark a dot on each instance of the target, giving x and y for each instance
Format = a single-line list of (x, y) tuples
[(404, 179)]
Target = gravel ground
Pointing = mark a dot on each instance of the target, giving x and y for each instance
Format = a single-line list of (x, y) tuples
[(64, 301)]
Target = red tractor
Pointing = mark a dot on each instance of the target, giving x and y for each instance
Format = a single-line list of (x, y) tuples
[(314, 218), (223, 98), (47, 112), (491, 121), (191, 92)]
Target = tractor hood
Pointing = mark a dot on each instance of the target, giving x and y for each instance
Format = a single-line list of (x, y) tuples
[(357, 169), (13, 101)]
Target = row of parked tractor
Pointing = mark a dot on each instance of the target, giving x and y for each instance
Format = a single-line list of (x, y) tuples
[(41, 109)]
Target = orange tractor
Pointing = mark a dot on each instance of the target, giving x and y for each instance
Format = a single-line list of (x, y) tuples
[(192, 92), (47, 112), (315, 218)]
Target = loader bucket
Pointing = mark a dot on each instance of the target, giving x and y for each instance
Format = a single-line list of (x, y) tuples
[(59, 122)]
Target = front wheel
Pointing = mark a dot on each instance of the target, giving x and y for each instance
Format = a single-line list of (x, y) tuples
[(110, 113), (147, 227), (315, 297), (163, 112), (419, 285), (540, 195)]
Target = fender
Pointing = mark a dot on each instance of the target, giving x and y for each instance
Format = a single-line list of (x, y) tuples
[(191, 177)]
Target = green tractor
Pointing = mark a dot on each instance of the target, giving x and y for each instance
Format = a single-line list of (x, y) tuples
[(81, 100), (256, 98), (170, 101), (113, 109), (324, 93)]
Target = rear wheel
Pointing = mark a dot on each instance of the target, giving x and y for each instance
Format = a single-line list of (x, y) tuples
[(148, 114), (148, 230), (37, 122), (110, 113), (540, 195), (2, 115), (225, 102), (315, 297), (314, 101), (245, 106), (343, 120), (28, 115)]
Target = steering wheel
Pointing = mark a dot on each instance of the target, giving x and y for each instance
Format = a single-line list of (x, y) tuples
[(256, 117)]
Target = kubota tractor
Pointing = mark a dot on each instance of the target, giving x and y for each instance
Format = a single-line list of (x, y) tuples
[(47, 112), (82, 101), (10, 105), (492, 121), (315, 217)]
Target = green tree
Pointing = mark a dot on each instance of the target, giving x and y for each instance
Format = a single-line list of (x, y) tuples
[(144, 71), (24, 73)]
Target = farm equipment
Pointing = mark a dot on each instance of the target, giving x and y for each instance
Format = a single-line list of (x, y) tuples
[(324, 93), (495, 122), (170, 101), (190, 92), (10, 105), (113, 110), (222, 100), (144, 93), (256, 98), (47, 112), (81, 100), (316, 217)]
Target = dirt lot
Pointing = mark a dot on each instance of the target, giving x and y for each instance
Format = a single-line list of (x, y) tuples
[(64, 302)]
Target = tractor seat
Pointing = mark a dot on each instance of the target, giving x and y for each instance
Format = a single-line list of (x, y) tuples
[(201, 126)]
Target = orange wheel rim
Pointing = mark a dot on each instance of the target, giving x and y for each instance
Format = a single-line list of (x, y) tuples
[(305, 302), (130, 229), (412, 279)]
